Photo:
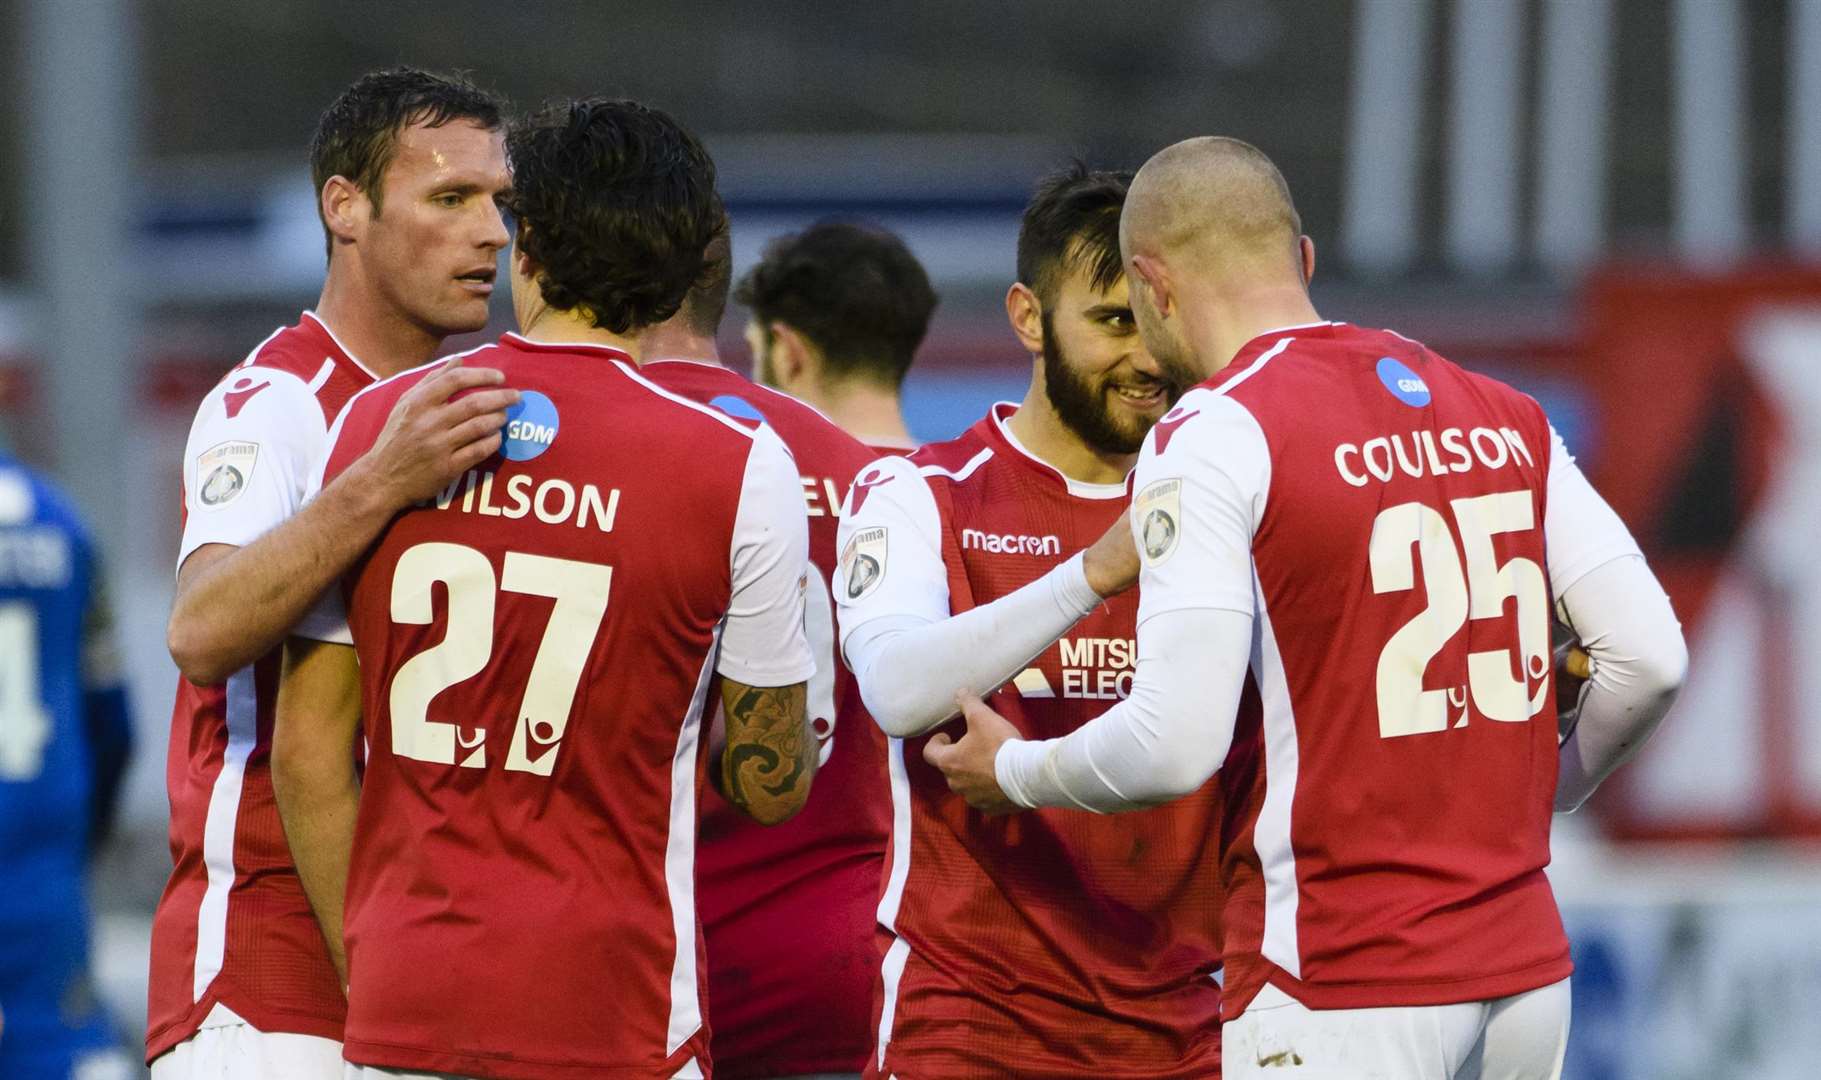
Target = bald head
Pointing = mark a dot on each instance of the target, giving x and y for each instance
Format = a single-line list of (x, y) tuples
[(1212, 201)]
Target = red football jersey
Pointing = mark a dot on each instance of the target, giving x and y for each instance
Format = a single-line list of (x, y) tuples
[(1051, 943), (233, 926), (537, 647), (788, 909), (1389, 827)]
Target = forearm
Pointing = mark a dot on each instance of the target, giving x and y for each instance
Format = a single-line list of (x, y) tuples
[(771, 754), (318, 806), (239, 606), (1639, 660), (1163, 741), (909, 670)]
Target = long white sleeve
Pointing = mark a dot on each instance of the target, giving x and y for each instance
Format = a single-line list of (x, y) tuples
[(1608, 596), (1163, 741), (1196, 510), (909, 666), (1639, 659)]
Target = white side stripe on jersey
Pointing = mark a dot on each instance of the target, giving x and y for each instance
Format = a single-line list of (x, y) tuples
[(962, 473), (892, 971), (1271, 834), (219, 827), (680, 864)]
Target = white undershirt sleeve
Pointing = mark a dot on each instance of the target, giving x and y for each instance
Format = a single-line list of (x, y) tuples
[(1196, 510), (1639, 660), (763, 641), (907, 653), (1607, 595)]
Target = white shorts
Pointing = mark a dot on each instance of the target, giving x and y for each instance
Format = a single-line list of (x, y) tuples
[(374, 1072), (1522, 1037), (229, 1048)]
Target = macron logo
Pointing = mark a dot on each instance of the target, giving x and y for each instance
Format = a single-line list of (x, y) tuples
[(1010, 543), (1165, 429)]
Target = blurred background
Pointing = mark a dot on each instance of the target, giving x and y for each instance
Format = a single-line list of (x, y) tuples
[(1613, 204)]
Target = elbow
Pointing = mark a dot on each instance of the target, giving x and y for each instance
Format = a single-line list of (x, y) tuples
[(1665, 673), (1175, 778), (191, 651)]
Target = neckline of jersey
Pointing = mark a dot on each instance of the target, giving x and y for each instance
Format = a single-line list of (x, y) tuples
[(1078, 488), (347, 353), (524, 342)]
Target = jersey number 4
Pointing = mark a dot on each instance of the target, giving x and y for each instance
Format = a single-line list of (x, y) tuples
[(25, 724), (580, 591), (1476, 590)]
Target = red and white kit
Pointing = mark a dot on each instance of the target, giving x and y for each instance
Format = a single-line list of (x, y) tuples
[(233, 928), (1385, 511), (537, 647), (1053, 943), (788, 909)]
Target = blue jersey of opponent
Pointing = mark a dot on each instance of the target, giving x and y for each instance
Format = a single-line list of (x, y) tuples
[(63, 744)]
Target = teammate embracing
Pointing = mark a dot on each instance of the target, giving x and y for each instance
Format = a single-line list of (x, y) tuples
[(1053, 945), (407, 167), (1378, 535), (537, 647)]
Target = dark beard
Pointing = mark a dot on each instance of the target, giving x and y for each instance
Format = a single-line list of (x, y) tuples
[(1083, 406)]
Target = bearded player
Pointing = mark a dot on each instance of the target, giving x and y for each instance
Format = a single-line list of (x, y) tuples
[(407, 167), (789, 995), (1378, 536), (537, 647), (1054, 945)]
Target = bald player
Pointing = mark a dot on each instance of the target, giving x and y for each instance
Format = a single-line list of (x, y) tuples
[(1376, 536)]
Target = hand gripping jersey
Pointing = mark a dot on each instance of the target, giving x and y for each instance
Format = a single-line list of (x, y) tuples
[(62, 720), (1381, 513), (788, 909), (537, 648), (233, 926), (1051, 943)]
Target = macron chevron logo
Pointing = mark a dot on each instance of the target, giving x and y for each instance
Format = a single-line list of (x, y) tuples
[(1030, 683), (1166, 428)]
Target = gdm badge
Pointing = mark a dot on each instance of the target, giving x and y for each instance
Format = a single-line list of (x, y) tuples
[(222, 472), (1158, 510), (863, 562)]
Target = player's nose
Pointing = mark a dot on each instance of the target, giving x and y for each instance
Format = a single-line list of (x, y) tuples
[(494, 234)]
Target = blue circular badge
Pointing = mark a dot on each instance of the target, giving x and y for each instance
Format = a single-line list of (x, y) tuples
[(530, 427), (1405, 385), (738, 407)]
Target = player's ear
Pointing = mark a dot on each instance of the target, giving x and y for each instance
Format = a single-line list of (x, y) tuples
[(792, 357), (1145, 272), (1025, 312), (1306, 247), (345, 208)]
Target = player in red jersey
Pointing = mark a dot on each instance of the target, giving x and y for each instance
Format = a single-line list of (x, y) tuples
[(788, 993), (407, 166), (1378, 535), (536, 648), (1055, 945), (837, 313)]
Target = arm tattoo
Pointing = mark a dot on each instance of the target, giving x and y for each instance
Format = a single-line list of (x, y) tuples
[(771, 754)]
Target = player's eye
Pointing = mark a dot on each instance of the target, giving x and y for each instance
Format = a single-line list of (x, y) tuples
[(1120, 321), (449, 199)]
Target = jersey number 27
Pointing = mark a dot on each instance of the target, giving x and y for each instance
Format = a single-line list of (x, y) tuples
[(580, 591)]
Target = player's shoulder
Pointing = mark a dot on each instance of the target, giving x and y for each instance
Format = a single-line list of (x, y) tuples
[(687, 418), (28, 497), (953, 461), (803, 427)]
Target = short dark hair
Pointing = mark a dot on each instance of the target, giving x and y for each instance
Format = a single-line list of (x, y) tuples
[(357, 134), (707, 301), (616, 205), (852, 289), (1072, 222)]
